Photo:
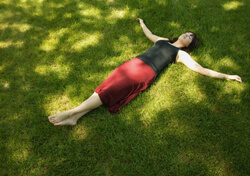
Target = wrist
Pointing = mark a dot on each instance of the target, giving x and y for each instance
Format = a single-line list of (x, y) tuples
[(226, 76)]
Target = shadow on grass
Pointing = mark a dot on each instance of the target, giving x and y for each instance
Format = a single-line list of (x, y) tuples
[(43, 57)]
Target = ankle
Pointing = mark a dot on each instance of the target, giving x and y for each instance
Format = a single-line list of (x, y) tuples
[(75, 111), (71, 112)]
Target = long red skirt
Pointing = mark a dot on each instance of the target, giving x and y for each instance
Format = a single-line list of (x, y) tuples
[(124, 83)]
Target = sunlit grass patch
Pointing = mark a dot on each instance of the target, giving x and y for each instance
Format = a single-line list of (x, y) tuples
[(90, 11), (53, 39), (62, 71), (6, 44), (233, 5), (80, 133), (228, 63), (21, 27), (88, 40), (56, 104), (21, 153), (175, 24), (118, 13)]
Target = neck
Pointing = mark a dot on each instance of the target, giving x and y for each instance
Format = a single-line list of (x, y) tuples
[(178, 44)]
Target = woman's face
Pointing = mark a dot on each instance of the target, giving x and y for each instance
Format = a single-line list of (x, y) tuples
[(186, 38)]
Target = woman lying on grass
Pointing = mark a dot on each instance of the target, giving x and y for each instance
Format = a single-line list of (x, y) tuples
[(135, 75)]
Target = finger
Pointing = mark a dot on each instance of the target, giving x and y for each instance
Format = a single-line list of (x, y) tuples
[(239, 79)]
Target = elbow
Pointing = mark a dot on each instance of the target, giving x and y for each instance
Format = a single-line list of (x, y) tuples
[(200, 69), (197, 68)]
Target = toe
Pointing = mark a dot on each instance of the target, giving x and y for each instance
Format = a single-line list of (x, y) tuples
[(50, 117), (61, 123), (64, 123), (58, 124)]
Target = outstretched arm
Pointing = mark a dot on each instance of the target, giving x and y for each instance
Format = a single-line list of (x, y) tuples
[(186, 59), (148, 33)]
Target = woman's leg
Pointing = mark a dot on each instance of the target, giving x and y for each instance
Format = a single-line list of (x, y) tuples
[(70, 117)]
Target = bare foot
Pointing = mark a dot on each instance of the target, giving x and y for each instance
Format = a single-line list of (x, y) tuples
[(60, 117), (68, 121), (71, 120)]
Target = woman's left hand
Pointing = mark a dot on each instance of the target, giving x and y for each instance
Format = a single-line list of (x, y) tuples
[(234, 77)]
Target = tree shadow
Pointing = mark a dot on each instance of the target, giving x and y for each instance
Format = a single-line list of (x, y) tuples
[(39, 61)]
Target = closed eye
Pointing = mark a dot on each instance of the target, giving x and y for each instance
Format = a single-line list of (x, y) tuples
[(191, 36)]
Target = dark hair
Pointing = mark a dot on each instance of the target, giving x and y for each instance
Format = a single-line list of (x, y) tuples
[(191, 46)]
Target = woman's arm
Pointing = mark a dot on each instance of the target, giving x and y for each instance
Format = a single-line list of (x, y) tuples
[(148, 33), (186, 59)]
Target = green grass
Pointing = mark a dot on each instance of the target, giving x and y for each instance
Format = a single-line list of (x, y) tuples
[(53, 55)]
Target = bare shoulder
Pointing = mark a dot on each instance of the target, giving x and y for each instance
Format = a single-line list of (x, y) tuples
[(181, 55)]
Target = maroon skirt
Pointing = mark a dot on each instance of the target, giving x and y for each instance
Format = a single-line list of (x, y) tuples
[(124, 83)]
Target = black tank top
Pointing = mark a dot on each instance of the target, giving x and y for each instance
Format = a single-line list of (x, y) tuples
[(159, 56)]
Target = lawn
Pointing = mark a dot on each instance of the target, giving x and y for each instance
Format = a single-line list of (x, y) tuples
[(53, 54)]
